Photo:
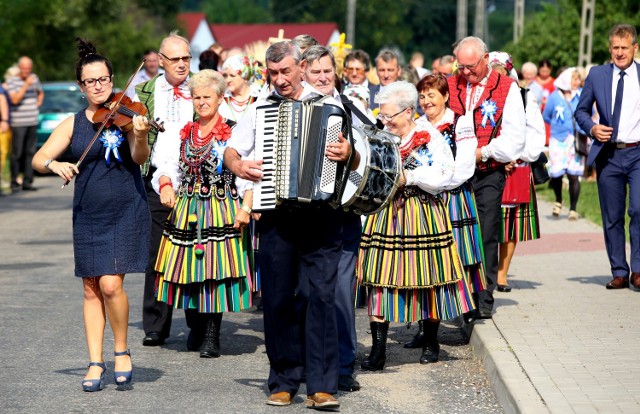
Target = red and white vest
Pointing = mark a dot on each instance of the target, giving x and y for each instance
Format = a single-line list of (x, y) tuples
[(496, 90)]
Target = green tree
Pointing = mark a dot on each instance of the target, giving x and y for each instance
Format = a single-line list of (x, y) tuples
[(46, 32), (236, 11), (554, 32)]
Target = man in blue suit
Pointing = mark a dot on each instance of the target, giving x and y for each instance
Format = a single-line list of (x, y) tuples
[(615, 89)]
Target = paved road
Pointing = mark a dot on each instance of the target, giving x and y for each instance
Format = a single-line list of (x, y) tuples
[(560, 342), (43, 352)]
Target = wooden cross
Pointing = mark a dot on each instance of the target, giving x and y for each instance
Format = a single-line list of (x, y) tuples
[(280, 37)]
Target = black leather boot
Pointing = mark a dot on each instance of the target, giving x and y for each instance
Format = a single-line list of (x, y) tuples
[(418, 339), (211, 344), (378, 356), (431, 348)]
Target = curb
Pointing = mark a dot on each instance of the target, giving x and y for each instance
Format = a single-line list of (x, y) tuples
[(511, 384)]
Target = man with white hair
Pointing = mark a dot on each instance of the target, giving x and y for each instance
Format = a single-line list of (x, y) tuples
[(495, 104), (529, 72), (167, 97)]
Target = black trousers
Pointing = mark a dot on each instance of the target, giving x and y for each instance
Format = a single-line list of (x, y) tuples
[(300, 244), (23, 147), (488, 187), (156, 316)]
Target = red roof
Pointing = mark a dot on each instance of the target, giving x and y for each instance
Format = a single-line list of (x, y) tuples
[(239, 35), (190, 22)]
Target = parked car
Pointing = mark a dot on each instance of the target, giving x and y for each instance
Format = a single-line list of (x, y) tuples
[(61, 99)]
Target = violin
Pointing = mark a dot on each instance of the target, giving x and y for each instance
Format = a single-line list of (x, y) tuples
[(122, 115)]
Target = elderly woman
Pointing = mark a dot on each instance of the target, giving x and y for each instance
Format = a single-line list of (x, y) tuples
[(408, 258), (458, 197), (239, 72), (563, 157), (202, 262), (520, 222)]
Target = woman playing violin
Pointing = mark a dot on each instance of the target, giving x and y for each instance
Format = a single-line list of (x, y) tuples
[(111, 219)]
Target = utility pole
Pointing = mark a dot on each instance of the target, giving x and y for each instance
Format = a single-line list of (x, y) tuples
[(518, 20), (351, 22), (586, 32), (478, 24), (461, 22)]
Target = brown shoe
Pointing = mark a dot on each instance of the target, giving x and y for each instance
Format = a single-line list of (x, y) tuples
[(618, 283), (635, 279), (279, 398), (322, 400)]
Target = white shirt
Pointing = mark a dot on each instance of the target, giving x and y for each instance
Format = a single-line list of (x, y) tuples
[(244, 134), (535, 131), (434, 174), (175, 112), (466, 144), (509, 144), (629, 127), (141, 76)]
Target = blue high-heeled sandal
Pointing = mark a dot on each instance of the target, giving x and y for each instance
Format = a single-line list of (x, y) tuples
[(126, 374), (95, 384)]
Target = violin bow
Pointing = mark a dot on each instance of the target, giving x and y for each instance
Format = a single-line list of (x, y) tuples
[(102, 125)]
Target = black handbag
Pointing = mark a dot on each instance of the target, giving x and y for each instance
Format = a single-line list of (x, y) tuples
[(582, 146), (539, 169)]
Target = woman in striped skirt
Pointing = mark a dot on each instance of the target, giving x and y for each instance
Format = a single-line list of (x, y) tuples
[(519, 221), (203, 262), (458, 198), (408, 258)]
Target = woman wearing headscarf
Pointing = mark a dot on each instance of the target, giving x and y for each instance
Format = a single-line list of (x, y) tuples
[(519, 221), (563, 158), (242, 76)]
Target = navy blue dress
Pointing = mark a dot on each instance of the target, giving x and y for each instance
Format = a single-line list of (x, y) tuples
[(111, 219)]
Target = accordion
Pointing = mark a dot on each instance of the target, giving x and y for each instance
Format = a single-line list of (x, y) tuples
[(291, 139)]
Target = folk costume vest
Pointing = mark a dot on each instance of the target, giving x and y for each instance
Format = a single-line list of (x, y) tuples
[(487, 111)]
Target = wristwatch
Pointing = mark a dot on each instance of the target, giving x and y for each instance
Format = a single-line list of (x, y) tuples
[(485, 154), (247, 209), (46, 164)]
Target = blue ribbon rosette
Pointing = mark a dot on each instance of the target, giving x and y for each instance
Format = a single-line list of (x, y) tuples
[(489, 109), (111, 140), (560, 113)]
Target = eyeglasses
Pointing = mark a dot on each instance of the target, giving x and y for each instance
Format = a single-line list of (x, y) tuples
[(470, 67), (357, 71), (175, 60), (92, 81), (389, 118)]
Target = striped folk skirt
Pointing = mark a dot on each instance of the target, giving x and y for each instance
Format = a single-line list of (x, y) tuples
[(409, 261), (463, 213), (520, 222), (203, 262)]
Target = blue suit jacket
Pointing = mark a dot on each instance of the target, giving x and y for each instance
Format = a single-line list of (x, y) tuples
[(597, 88)]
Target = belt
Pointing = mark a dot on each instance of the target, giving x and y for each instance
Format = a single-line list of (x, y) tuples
[(623, 145)]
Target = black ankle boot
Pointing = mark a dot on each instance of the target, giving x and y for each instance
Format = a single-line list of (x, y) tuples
[(418, 339), (431, 348), (376, 359), (211, 344)]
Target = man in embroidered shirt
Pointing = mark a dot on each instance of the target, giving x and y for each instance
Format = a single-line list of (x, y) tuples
[(495, 104), (167, 97)]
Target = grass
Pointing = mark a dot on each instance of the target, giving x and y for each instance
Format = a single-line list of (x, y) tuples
[(588, 203)]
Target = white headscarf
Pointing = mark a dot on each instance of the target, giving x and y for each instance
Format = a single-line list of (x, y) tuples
[(564, 80)]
